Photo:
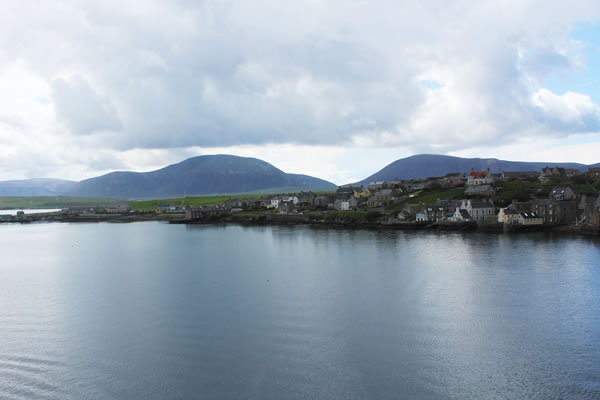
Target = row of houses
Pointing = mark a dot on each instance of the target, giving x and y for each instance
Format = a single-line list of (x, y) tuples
[(562, 207), (282, 203), (470, 179), (547, 174), (468, 210), (465, 210), (376, 194), (474, 178)]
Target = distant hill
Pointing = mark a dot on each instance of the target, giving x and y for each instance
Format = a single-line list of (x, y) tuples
[(430, 165), (203, 175), (35, 187)]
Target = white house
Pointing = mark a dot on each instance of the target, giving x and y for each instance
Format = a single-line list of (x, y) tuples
[(479, 178), (274, 202)]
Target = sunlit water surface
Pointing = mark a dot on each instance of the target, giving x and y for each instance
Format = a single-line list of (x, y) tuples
[(157, 311), (29, 211)]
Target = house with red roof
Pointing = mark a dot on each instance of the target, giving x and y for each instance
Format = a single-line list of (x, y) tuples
[(476, 178)]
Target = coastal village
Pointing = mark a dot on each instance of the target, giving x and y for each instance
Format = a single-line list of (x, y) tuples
[(554, 198), (526, 200)]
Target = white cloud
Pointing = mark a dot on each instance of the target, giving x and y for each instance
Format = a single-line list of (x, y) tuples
[(571, 112), (94, 86), (82, 109)]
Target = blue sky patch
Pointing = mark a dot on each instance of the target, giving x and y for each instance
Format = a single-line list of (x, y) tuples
[(433, 85), (586, 81)]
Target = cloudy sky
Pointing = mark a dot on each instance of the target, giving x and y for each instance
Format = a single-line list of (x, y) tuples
[(334, 89)]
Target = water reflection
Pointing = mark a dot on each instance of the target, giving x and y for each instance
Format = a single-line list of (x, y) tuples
[(151, 310)]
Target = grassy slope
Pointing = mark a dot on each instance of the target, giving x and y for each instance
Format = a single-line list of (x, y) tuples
[(510, 191), (33, 202), (430, 198), (146, 205)]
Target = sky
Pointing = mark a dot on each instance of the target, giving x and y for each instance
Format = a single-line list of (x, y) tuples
[(333, 89)]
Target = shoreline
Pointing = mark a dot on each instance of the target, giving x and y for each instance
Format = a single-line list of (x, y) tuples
[(308, 220), (407, 226)]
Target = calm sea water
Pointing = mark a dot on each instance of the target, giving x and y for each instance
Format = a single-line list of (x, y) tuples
[(156, 311), (29, 211)]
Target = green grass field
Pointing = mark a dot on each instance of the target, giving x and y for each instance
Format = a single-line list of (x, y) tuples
[(38, 202), (146, 205)]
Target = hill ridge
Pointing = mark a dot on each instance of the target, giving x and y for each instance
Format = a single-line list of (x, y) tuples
[(200, 175), (432, 165)]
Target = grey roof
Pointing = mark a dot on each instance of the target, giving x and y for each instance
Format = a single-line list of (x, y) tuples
[(349, 189), (482, 205), (479, 189), (529, 215), (520, 173), (464, 213), (560, 190)]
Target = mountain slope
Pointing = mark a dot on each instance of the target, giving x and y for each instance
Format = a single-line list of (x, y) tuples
[(215, 174), (35, 187), (430, 165)]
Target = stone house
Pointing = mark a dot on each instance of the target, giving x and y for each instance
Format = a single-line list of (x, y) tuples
[(286, 207), (341, 205), (479, 178), (306, 199), (373, 186), (596, 213), (321, 201), (571, 172), (435, 213), (265, 202), (562, 193), (480, 191), (354, 203), (380, 198), (588, 209), (384, 196), (204, 212), (547, 174), (522, 205), (118, 209), (449, 207), (555, 212), (529, 218), (508, 216), (480, 211), (461, 215), (345, 191)]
